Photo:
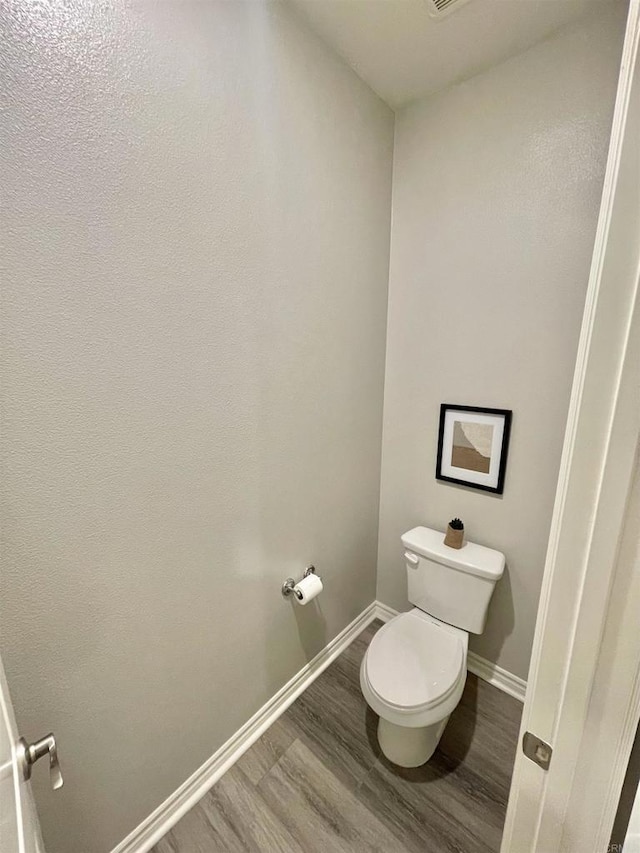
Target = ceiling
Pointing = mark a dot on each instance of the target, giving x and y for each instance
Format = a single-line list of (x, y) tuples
[(403, 53)]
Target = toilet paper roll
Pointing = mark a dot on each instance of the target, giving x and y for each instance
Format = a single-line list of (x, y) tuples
[(309, 587)]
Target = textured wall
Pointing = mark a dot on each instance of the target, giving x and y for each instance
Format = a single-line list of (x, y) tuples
[(196, 206), (497, 184)]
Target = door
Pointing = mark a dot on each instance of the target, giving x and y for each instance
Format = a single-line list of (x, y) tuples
[(583, 698), (19, 827)]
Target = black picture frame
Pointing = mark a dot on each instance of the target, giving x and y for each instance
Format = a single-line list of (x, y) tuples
[(481, 481)]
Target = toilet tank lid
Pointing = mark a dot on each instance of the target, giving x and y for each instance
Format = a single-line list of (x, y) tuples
[(471, 558)]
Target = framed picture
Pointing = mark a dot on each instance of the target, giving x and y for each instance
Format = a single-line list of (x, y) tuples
[(472, 446)]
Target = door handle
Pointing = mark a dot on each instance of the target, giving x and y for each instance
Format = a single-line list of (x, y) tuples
[(29, 753)]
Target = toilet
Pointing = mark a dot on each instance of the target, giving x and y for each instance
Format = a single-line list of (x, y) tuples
[(415, 668)]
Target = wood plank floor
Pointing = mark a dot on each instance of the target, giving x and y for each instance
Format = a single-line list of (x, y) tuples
[(316, 781)]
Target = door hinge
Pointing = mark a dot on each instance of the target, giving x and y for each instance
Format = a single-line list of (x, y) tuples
[(537, 750)]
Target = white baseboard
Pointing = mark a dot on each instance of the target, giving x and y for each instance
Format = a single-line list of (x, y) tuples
[(484, 669), (384, 612), (496, 675), (159, 822)]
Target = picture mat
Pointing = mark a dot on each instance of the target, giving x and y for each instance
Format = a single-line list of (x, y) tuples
[(449, 470)]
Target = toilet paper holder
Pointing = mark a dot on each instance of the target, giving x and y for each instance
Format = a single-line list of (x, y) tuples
[(288, 587)]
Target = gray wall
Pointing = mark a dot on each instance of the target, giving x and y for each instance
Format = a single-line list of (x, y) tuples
[(196, 207), (496, 191)]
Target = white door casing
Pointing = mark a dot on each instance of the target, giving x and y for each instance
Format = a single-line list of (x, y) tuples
[(568, 699), (19, 826)]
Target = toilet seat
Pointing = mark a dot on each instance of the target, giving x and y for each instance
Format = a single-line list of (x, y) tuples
[(414, 670)]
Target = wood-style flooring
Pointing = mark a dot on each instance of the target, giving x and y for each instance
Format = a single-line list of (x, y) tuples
[(316, 782)]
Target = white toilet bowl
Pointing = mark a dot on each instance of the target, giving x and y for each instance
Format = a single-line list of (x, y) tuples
[(412, 675), (415, 668)]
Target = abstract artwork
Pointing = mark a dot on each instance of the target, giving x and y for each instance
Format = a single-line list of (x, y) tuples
[(472, 446)]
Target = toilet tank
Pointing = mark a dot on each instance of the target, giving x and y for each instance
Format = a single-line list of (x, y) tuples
[(453, 585)]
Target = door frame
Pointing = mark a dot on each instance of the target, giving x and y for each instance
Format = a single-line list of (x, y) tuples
[(568, 699)]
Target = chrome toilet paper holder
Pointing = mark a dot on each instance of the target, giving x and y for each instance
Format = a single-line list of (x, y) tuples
[(288, 587)]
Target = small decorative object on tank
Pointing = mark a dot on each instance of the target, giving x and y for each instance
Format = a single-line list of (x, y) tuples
[(455, 534)]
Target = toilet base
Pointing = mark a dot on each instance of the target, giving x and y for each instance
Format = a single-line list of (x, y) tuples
[(409, 747)]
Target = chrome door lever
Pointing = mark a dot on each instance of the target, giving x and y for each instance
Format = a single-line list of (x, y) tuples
[(29, 753)]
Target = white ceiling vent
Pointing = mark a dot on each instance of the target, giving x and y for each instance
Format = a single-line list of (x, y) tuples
[(442, 8)]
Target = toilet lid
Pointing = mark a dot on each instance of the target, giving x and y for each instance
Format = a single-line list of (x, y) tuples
[(413, 662)]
